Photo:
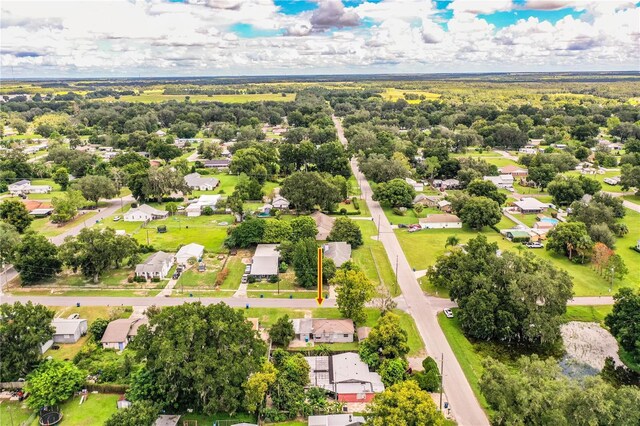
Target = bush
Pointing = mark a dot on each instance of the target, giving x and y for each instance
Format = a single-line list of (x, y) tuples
[(143, 248), (207, 211), (343, 211), (399, 211), (140, 279), (274, 279), (155, 279), (252, 279), (283, 267), (129, 279), (355, 203), (222, 275)]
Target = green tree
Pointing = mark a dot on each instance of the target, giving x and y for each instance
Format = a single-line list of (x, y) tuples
[(23, 331), (429, 379), (345, 229), (305, 262), (163, 150), (303, 227), (141, 413), (485, 188), (97, 328), (161, 181), (16, 214), (184, 129), (565, 190), (479, 212), (171, 207), (403, 404), (452, 241), (305, 190), (624, 320), (96, 250), (353, 290), (630, 177), (276, 231), (387, 340), (248, 188), (570, 238), (395, 193), (9, 240), (281, 332), (36, 258), (379, 168), (66, 208), (393, 371), (53, 382), (246, 234), (94, 187), (213, 352), (256, 388), (61, 177)]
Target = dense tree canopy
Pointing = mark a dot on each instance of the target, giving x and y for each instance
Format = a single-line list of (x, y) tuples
[(36, 258), (624, 321)]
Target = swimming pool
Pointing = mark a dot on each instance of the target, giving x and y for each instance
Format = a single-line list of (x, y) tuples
[(550, 220)]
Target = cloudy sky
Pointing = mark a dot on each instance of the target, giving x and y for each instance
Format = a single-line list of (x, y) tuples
[(260, 37)]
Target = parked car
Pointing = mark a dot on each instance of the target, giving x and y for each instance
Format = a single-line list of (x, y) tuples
[(74, 316), (402, 225), (176, 275), (244, 279), (448, 313), (117, 218), (534, 245), (247, 269)]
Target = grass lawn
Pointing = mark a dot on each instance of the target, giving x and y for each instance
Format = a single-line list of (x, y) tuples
[(527, 219), (587, 313), (15, 413), (624, 247), (284, 294), (500, 161), (632, 198), (203, 230), (372, 258), (469, 359), (204, 420), (94, 411), (600, 178), (226, 186), (236, 270), (45, 227), (410, 216), (193, 279), (505, 223), (432, 290)]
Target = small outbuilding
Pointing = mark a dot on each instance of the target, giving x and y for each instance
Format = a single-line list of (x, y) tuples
[(189, 251), (68, 330)]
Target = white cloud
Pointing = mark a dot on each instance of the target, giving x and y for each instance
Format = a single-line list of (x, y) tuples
[(480, 7)]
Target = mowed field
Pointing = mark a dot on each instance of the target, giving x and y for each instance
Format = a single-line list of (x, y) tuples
[(392, 94)]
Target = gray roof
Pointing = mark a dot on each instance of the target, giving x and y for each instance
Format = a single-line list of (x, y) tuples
[(530, 203), (336, 420), (339, 252), (265, 260), (302, 325), (66, 326), (188, 251), (195, 180), (324, 224), (149, 210), (167, 420), (121, 329), (155, 263), (343, 373)]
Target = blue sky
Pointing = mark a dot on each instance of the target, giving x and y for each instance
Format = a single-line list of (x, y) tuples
[(230, 37)]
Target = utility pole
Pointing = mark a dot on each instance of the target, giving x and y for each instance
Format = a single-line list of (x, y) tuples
[(441, 378), (396, 273), (613, 269)]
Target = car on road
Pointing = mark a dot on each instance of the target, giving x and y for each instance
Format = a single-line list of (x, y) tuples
[(534, 245), (117, 218), (448, 313)]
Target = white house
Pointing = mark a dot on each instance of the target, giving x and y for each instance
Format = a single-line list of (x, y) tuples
[(144, 213), (323, 330), (68, 330), (206, 200), (156, 266), (439, 221), (417, 186), (280, 203), (530, 205), (201, 183), (265, 261), (612, 180), (24, 187), (188, 251), (502, 181)]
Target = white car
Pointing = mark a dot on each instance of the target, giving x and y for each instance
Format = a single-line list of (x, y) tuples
[(117, 218), (448, 313)]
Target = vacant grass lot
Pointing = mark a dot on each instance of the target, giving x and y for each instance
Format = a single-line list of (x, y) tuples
[(587, 313), (372, 258), (392, 94), (410, 216), (45, 227), (15, 413), (94, 411)]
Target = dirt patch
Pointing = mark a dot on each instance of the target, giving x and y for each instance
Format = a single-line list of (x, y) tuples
[(588, 343)]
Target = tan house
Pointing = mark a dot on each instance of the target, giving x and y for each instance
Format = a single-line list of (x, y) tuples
[(440, 221), (324, 224), (120, 332), (324, 330), (427, 200)]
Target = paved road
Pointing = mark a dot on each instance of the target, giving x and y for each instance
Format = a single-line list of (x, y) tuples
[(505, 154), (113, 205), (464, 405)]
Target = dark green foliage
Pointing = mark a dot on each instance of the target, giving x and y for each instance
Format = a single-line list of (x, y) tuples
[(387, 340), (345, 229), (141, 413), (624, 321), (36, 258), (395, 193), (15, 213), (281, 332), (305, 262), (213, 350), (23, 330), (479, 212)]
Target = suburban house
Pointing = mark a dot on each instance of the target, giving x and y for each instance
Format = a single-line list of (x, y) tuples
[(217, 164), (156, 266), (345, 376), (417, 186), (68, 330), (42, 212), (201, 183), (339, 252), (206, 200), (530, 205), (24, 187), (443, 185), (324, 224), (517, 235), (120, 332), (439, 221), (144, 213), (444, 205), (265, 261), (280, 203), (515, 171), (502, 181), (189, 251), (528, 150), (427, 200), (336, 420), (323, 330)]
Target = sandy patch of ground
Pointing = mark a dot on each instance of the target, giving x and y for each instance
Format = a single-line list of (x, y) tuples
[(588, 343)]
